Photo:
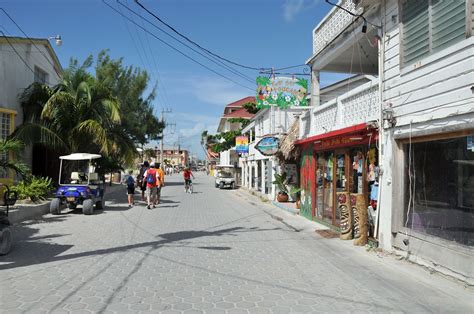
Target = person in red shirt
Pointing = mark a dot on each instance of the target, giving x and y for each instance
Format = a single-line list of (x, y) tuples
[(187, 174), (151, 180)]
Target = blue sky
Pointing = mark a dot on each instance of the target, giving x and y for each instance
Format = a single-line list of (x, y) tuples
[(258, 33)]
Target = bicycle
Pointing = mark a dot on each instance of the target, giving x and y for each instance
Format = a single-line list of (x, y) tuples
[(189, 186)]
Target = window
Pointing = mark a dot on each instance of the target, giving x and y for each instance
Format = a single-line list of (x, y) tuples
[(40, 76), (430, 26), (439, 188), (5, 130)]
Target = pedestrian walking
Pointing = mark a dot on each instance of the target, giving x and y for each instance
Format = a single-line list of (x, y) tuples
[(140, 178), (130, 189), (161, 181), (150, 181)]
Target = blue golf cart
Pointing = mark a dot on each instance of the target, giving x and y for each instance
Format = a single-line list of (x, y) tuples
[(82, 187)]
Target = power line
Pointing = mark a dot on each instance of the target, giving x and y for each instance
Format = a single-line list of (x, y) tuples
[(196, 44), (17, 53), (177, 50), (213, 60), (31, 41)]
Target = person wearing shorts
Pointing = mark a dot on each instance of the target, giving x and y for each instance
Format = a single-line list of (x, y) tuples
[(130, 189), (150, 180), (140, 180)]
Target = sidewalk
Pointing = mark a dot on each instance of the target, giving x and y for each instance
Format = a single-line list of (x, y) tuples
[(392, 259), (22, 212)]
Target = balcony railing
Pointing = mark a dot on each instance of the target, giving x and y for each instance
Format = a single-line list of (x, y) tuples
[(334, 24), (354, 107)]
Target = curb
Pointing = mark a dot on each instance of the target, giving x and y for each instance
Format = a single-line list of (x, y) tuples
[(22, 213), (290, 210)]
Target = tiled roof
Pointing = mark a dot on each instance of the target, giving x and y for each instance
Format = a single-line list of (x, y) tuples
[(242, 101), (239, 113)]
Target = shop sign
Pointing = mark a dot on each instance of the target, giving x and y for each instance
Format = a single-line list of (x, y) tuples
[(282, 92), (268, 146), (242, 144), (342, 141)]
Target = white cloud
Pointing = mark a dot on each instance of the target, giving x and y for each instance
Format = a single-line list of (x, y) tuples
[(291, 8), (218, 92)]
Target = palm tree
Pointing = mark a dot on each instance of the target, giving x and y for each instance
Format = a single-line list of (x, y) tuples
[(79, 114), (8, 152)]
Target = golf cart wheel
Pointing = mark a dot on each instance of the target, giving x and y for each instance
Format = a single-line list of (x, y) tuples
[(5, 239), (232, 185), (221, 185), (55, 206), (88, 207), (99, 205)]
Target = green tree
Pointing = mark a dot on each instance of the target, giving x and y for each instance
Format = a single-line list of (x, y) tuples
[(9, 150), (105, 113)]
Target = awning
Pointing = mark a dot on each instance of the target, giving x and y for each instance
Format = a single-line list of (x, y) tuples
[(287, 144), (345, 132)]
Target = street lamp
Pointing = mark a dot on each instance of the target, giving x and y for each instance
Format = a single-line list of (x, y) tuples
[(57, 40)]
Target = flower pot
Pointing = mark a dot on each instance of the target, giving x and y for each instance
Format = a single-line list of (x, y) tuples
[(282, 197)]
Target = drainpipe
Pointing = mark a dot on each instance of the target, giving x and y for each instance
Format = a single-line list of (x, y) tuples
[(381, 55)]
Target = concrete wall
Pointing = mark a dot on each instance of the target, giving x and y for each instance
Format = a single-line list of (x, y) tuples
[(15, 76)]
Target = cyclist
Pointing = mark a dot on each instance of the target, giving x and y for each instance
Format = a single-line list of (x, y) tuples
[(187, 174)]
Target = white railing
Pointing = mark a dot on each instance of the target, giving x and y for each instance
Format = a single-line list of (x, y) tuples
[(333, 24), (359, 105)]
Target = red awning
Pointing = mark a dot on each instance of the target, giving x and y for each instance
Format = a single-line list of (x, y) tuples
[(341, 132)]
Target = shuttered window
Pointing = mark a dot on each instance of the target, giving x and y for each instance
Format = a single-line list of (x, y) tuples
[(430, 26)]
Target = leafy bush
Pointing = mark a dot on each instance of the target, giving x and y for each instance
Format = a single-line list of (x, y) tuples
[(35, 189)]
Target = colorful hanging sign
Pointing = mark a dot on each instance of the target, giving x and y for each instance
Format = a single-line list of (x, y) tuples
[(282, 92), (242, 144), (268, 146)]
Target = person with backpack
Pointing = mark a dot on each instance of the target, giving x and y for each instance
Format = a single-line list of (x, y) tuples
[(161, 181), (151, 182), (140, 179), (130, 189)]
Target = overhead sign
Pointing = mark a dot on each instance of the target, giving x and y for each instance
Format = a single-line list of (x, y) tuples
[(268, 146), (242, 144), (282, 92)]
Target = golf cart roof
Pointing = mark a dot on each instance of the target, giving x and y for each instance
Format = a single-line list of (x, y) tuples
[(80, 156), (224, 166)]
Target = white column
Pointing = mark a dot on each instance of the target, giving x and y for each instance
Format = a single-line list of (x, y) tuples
[(273, 171), (263, 163), (255, 174), (315, 88)]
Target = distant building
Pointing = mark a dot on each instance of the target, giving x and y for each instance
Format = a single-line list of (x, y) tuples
[(174, 157)]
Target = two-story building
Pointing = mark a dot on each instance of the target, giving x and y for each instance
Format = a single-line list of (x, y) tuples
[(401, 142), (258, 170), (22, 62)]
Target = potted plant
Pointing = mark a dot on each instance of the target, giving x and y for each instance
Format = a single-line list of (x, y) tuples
[(284, 189)]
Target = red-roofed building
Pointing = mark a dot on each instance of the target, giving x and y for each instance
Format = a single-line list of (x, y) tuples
[(235, 110)]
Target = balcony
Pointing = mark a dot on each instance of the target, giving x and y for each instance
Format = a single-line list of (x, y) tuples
[(333, 25), (357, 106)]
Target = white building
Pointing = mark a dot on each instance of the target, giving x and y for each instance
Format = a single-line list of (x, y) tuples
[(414, 118), (22, 62), (227, 123), (258, 170)]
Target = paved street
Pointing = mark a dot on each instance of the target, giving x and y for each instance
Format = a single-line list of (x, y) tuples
[(213, 251)]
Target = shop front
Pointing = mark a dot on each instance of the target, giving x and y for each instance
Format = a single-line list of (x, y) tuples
[(343, 166)]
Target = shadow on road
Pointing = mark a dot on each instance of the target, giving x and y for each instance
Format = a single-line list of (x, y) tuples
[(30, 251)]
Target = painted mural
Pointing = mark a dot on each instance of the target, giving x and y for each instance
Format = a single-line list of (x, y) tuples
[(307, 182)]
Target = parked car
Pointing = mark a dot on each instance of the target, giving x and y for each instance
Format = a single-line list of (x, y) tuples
[(225, 179)]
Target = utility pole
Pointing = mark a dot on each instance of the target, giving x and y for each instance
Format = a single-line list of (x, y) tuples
[(163, 111)]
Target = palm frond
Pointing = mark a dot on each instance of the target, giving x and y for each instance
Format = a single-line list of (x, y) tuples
[(95, 129), (31, 132)]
